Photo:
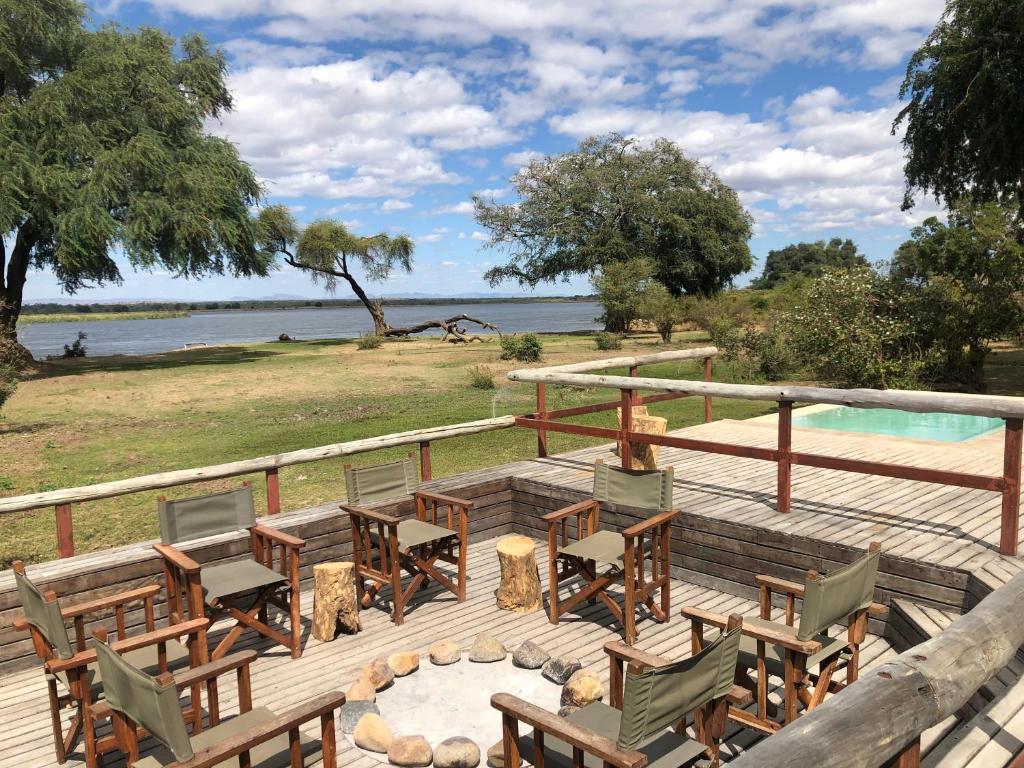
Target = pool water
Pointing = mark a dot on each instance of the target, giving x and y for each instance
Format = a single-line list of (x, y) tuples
[(949, 427)]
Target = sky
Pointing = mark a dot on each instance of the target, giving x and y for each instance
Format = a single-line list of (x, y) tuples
[(389, 115)]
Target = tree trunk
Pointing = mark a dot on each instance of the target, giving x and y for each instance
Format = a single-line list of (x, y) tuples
[(375, 308), (519, 590), (334, 600), (13, 286)]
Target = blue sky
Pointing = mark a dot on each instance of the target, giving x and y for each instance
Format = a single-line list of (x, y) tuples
[(388, 115)]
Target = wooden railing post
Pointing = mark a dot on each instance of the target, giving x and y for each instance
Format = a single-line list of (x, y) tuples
[(707, 398), (425, 470), (273, 491), (636, 393), (65, 531), (909, 757), (542, 436), (783, 492), (625, 448), (1011, 487)]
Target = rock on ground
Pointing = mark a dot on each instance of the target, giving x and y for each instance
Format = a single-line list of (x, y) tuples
[(410, 751), (529, 655), (560, 668), (496, 756), (404, 663), (457, 752), (487, 649), (445, 652), (361, 690), (584, 687), (372, 733), (351, 711), (378, 673)]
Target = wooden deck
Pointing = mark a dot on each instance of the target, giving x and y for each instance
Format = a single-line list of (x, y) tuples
[(279, 681)]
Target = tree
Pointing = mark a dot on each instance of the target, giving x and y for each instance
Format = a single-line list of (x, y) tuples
[(622, 288), (328, 252), (661, 309), (965, 114), (102, 144), (808, 259), (964, 280), (613, 200)]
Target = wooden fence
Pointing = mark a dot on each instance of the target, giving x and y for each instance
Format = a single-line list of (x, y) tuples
[(1010, 409), (62, 499)]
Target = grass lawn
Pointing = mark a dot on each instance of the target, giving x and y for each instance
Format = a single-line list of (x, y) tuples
[(96, 419)]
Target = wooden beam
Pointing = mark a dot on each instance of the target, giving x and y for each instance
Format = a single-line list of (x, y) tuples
[(992, 406), (1010, 521), (875, 719), (247, 466), (631, 362)]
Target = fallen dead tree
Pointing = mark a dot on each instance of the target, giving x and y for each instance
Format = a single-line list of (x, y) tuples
[(450, 330)]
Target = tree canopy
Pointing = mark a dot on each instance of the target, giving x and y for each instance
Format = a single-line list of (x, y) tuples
[(965, 115), (808, 259), (102, 145), (613, 200)]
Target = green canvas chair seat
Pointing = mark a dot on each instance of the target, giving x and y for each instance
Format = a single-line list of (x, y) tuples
[(775, 655), (414, 533), (145, 659), (641, 488), (664, 750), (270, 754), (237, 578), (605, 547)]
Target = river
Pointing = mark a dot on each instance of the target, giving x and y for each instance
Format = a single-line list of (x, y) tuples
[(141, 337)]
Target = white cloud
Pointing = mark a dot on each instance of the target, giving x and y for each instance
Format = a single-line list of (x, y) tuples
[(679, 82), (478, 236), (465, 207), (393, 204), (522, 157), (448, 264)]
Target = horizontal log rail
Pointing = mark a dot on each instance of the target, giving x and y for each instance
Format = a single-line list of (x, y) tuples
[(1010, 409), (879, 720), (62, 499)]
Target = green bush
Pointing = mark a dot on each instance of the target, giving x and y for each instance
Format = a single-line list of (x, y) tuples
[(606, 340), (758, 353), (8, 383), (77, 348), (525, 348), (369, 341), (480, 377)]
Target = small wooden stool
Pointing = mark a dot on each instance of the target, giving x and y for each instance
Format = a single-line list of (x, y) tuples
[(334, 600), (520, 580), (645, 456)]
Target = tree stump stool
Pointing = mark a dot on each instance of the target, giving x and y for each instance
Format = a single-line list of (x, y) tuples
[(520, 580), (334, 600), (645, 456)]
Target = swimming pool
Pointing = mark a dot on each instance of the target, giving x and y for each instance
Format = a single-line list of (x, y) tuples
[(949, 427)]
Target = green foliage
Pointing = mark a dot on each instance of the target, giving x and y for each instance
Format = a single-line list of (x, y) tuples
[(605, 340), (76, 348), (662, 310), (8, 384), (369, 341), (103, 144), (851, 328), (757, 354), (807, 259), (614, 200), (963, 282), (965, 112), (622, 287), (526, 348), (480, 377)]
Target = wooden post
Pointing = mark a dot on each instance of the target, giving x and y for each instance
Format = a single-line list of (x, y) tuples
[(1011, 487), (707, 398), (65, 531), (273, 491), (633, 373), (910, 757), (625, 449), (425, 470), (542, 436), (783, 492)]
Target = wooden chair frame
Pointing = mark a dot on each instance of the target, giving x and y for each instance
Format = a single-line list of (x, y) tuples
[(183, 576), (800, 685), (649, 540), (709, 721), (322, 707), (76, 668), (385, 570)]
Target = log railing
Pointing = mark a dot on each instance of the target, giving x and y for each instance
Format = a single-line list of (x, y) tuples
[(879, 721), (1010, 409), (705, 354), (62, 499)]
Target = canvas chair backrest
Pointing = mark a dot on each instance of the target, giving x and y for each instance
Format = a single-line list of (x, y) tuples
[(384, 481), (660, 697), (144, 700), (829, 599), (644, 488), (44, 615), (199, 516)]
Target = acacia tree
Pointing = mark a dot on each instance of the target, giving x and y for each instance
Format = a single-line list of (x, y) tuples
[(965, 114), (102, 144), (808, 259), (613, 200)]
